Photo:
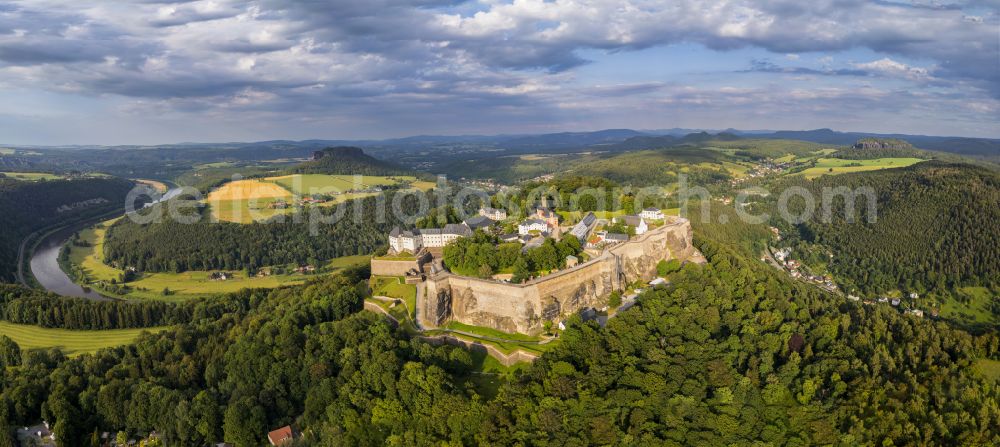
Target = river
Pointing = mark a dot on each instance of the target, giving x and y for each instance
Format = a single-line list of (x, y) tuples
[(45, 261)]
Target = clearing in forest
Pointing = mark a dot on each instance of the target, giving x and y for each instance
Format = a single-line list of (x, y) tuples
[(71, 342)]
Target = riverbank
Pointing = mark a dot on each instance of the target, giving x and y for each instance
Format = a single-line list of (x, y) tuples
[(85, 262)]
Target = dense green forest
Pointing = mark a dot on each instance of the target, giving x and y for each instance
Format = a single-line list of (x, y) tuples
[(23, 305), (175, 246), (29, 206), (936, 228), (731, 353)]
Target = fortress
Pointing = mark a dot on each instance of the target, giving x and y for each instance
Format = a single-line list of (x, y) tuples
[(524, 308)]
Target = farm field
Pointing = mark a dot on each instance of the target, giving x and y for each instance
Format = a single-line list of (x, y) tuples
[(246, 211), (246, 201), (183, 285), (305, 184), (70, 342), (247, 189), (155, 184), (31, 176), (833, 166)]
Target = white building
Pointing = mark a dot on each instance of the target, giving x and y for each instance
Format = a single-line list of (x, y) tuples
[(413, 241), (636, 221), (493, 213), (652, 213), (530, 225)]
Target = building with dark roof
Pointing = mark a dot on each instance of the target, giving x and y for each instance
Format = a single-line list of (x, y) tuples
[(582, 228), (477, 222)]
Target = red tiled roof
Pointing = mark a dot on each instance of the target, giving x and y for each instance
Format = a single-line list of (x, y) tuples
[(277, 437)]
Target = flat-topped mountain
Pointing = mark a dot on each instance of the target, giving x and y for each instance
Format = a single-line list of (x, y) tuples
[(347, 160), (882, 143)]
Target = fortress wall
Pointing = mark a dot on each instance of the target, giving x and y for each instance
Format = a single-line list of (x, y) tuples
[(524, 307), (382, 267), (503, 306)]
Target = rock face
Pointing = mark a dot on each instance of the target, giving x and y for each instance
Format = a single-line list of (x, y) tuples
[(882, 143), (525, 307)]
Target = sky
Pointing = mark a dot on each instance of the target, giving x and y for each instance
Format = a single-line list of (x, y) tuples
[(164, 71)]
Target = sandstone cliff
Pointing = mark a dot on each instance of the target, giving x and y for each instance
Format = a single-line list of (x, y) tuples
[(525, 307)]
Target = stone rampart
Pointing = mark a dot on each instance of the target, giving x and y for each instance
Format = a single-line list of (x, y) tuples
[(525, 307)]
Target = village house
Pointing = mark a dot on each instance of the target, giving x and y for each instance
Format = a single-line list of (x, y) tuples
[(782, 254), (545, 214), (281, 435), (652, 213), (493, 213), (413, 240)]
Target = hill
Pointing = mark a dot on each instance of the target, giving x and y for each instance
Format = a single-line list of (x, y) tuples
[(26, 207), (988, 148), (936, 229), (732, 353), (347, 160)]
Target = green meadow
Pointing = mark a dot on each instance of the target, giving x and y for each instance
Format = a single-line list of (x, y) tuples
[(833, 166), (70, 342)]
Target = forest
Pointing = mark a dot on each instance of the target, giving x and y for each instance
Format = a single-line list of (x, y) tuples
[(936, 228), (173, 246), (36, 307), (26, 207), (732, 353)]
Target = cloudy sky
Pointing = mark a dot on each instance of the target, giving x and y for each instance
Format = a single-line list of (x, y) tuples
[(160, 71)]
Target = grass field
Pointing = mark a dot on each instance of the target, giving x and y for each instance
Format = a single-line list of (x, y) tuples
[(305, 184), (70, 342), (974, 311), (489, 332), (990, 369), (394, 287), (32, 176), (6, 151), (183, 285), (833, 166)]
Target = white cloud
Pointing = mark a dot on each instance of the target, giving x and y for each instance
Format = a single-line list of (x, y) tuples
[(520, 56), (889, 67)]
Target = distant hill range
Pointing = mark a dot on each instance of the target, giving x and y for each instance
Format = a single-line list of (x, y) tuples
[(419, 152), (985, 147)]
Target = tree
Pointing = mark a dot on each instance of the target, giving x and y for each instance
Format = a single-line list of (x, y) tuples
[(521, 272), (244, 424), (615, 299), (10, 352)]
